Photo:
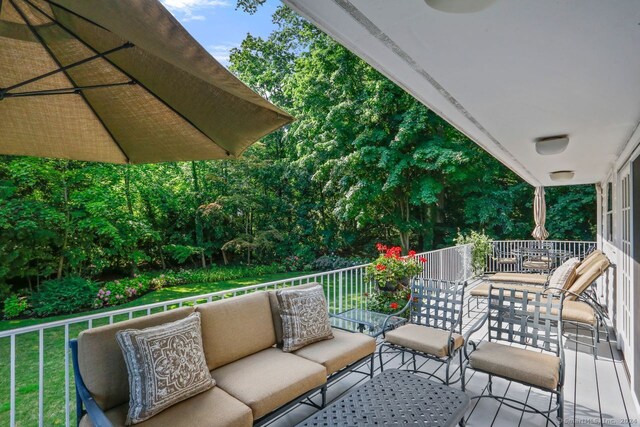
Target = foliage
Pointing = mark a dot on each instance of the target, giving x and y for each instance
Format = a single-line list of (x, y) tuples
[(61, 296), (389, 302), (364, 161), (482, 248), (335, 262), (391, 268), (14, 306), (121, 291)]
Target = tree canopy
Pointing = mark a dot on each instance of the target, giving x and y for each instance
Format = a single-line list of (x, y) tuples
[(363, 162)]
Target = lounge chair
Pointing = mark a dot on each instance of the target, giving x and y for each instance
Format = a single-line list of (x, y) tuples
[(533, 322)]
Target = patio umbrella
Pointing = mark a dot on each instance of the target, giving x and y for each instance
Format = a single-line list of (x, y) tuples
[(539, 215), (118, 81)]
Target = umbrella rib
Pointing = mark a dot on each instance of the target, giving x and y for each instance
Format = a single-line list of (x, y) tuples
[(55, 59), (4, 91), (142, 85), (63, 91)]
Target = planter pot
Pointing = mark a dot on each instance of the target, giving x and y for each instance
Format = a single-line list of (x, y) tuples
[(392, 286)]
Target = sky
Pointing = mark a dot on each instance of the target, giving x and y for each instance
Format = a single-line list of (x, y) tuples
[(218, 26)]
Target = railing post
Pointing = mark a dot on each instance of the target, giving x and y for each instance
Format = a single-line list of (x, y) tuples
[(340, 293)]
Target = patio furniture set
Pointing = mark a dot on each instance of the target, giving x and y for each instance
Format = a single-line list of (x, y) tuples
[(246, 360)]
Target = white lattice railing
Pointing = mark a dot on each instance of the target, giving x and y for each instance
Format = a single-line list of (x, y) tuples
[(505, 249), (40, 395)]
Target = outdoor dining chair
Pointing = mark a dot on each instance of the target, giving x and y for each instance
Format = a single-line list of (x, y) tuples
[(523, 345), (434, 329)]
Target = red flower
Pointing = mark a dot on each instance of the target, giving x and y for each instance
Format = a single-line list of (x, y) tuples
[(422, 259), (381, 247), (412, 253), (381, 267), (394, 305)]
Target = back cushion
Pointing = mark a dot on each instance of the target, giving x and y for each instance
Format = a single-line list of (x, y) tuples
[(236, 327), (275, 309), (100, 359), (564, 275), (588, 277), (588, 261)]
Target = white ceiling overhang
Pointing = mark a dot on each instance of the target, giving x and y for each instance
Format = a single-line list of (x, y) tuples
[(514, 72)]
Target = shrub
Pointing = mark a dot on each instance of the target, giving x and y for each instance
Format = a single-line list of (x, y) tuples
[(14, 306), (62, 296), (294, 263), (482, 248), (334, 262)]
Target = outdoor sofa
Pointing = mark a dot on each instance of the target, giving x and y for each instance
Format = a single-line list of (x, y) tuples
[(255, 379)]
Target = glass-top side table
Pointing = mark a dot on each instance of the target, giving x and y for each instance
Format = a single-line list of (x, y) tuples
[(365, 321)]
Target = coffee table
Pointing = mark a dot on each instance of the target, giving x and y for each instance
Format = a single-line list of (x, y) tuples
[(395, 397), (365, 321)]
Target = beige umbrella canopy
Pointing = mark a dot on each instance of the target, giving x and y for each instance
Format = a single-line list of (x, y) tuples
[(118, 81), (539, 215)]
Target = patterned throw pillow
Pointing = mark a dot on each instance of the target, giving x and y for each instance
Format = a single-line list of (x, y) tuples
[(166, 365), (564, 275), (305, 317)]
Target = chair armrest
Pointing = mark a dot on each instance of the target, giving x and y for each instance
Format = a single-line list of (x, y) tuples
[(397, 313), (476, 327), (96, 414)]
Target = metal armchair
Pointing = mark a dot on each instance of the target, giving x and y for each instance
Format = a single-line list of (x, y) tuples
[(434, 329), (533, 322)]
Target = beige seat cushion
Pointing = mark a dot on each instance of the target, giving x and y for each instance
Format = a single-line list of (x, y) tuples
[(537, 264), (527, 366), (266, 380), (587, 278), (275, 309), (539, 279), (589, 260), (213, 408), (236, 327), (344, 349), (101, 362), (482, 290), (428, 340), (574, 311)]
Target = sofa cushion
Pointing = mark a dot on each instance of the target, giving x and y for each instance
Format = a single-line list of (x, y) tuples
[(275, 309), (344, 349), (100, 359), (305, 317), (266, 380), (428, 340), (166, 365), (236, 327), (527, 366), (213, 408)]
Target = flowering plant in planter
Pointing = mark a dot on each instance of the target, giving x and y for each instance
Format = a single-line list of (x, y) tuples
[(391, 271), (389, 302)]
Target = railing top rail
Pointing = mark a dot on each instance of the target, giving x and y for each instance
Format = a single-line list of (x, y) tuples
[(189, 299)]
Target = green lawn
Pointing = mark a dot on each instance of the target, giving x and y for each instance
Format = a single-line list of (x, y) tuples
[(27, 353)]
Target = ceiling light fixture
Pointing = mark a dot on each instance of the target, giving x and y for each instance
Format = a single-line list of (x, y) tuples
[(561, 175), (552, 144), (460, 6)]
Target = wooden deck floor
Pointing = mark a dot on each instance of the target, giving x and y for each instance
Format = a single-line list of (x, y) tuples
[(597, 392)]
